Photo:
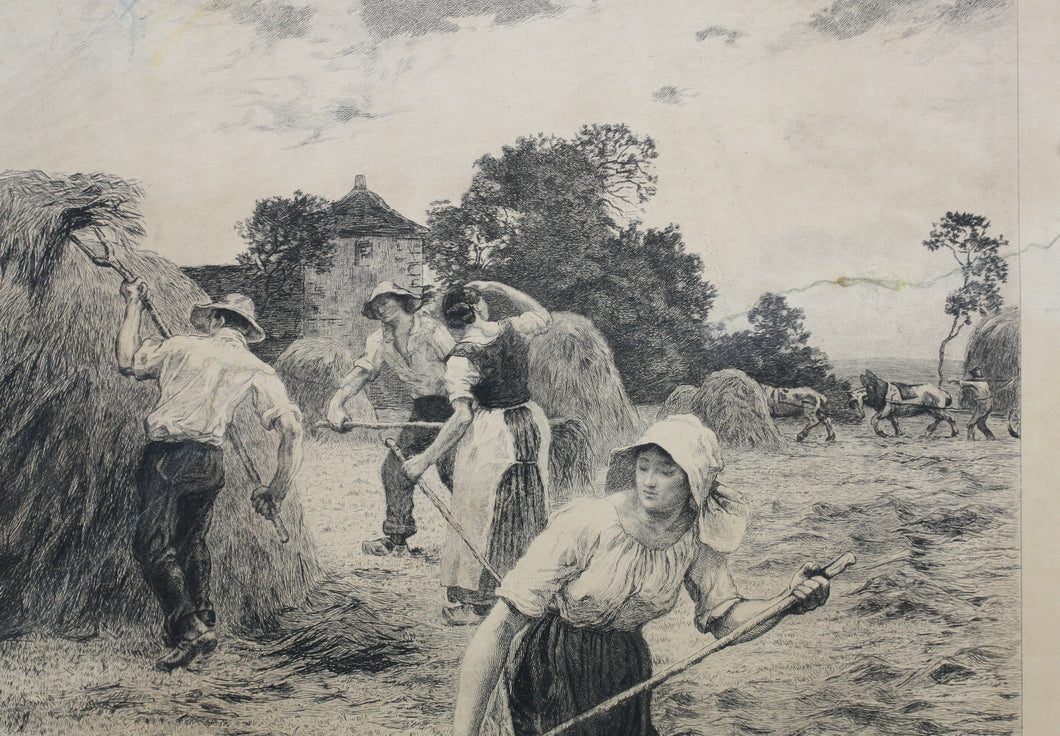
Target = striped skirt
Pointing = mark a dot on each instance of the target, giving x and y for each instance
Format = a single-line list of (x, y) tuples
[(559, 671)]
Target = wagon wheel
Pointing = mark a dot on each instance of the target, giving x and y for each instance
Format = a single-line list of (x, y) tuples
[(1014, 422)]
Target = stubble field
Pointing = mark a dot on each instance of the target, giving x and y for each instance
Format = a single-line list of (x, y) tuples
[(921, 636)]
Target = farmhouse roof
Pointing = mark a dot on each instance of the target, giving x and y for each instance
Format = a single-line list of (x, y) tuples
[(362, 212)]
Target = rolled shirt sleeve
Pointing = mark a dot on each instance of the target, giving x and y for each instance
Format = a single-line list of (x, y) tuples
[(460, 375), (371, 360), (148, 359), (711, 586), (271, 400), (443, 342), (530, 323), (557, 555)]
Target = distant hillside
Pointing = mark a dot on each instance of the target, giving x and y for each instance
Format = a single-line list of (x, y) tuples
[(906, 370)]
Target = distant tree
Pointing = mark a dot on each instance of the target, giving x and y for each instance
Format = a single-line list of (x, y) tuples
[(982, 269), (284, 236), (553, 217), (776, 350)]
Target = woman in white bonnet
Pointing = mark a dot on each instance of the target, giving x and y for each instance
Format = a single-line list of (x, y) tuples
[(602, 569)]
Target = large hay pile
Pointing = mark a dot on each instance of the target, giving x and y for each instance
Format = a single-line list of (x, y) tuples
[(312, 369), (736, 408), (994, 348), (573, 374), (73, 427), (678, 402)]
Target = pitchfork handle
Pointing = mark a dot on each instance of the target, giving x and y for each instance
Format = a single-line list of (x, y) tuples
[(444, 510), (835, 567)]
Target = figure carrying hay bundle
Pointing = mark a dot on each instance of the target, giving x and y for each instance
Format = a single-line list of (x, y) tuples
[(202, 380), (415, 346), (502, 443)]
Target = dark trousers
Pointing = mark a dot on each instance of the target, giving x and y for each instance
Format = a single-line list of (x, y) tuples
[(399, 524), (980, 413), (178, 483)]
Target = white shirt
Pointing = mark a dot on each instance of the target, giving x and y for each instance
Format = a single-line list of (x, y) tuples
[(586, 567), (428, 346), (203, 380)]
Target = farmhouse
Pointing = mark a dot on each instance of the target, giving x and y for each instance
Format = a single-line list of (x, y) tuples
[(373, 243)]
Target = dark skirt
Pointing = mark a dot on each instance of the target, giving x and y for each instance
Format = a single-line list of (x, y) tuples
[(560, 671), (519, 507)]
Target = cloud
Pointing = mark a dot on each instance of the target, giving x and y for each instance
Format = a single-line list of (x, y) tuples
[(729, 34), (669, 95), (385, 18), (845, 19), (273, 20)]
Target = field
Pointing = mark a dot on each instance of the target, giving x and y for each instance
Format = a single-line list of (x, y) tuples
[(921, 636)]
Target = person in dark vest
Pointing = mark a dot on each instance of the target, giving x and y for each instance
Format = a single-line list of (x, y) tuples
[(975, 392), (502, 440), (202, 379), (415, 346)]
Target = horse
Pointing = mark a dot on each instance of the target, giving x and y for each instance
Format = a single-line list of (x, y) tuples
[(790, 402), (892, 400)]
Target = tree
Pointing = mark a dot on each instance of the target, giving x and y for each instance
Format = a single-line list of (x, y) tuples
[(284, 236), (776, 350), (553, 217), (982, 270)]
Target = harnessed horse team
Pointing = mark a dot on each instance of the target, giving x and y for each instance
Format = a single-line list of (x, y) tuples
[(891, 400)]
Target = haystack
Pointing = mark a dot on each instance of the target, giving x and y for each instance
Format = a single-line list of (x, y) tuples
[(311, 369), (994, 348), (736, 408), (573, 374), (678, 402), (73, 427)]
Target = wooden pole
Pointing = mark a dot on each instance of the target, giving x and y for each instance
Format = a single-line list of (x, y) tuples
[(444, 510), (378, 425)]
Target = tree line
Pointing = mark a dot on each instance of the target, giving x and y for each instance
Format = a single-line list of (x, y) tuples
[(554, 217)]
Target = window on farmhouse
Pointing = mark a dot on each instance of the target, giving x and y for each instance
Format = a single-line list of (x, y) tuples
[(362, 252)]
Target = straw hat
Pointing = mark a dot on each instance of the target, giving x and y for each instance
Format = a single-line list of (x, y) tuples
[(235, 303), (389, 288)]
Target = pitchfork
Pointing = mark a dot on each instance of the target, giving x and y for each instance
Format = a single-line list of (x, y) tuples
[(106, 260)]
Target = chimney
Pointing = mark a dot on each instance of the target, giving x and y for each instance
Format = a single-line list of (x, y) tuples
[(359, 182)]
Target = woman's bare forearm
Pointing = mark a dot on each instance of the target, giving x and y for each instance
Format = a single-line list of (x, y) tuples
[(482, 665)]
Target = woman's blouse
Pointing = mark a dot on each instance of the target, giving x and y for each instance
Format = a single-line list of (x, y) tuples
[(494, 372), (589, 570)]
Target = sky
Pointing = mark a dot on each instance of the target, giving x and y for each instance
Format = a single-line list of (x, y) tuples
[(802, 143)]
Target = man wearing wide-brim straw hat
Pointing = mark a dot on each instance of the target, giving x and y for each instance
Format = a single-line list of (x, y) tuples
[(415, 346), (202, 379)]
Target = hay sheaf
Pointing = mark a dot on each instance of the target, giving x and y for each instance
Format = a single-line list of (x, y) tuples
[(994, 347), (678, 402), (573, 374), (73, 427), (312, 369), (736, 408)]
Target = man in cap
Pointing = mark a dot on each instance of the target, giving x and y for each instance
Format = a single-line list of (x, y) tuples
[(975, 392), (416, 347), (202, 379)]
